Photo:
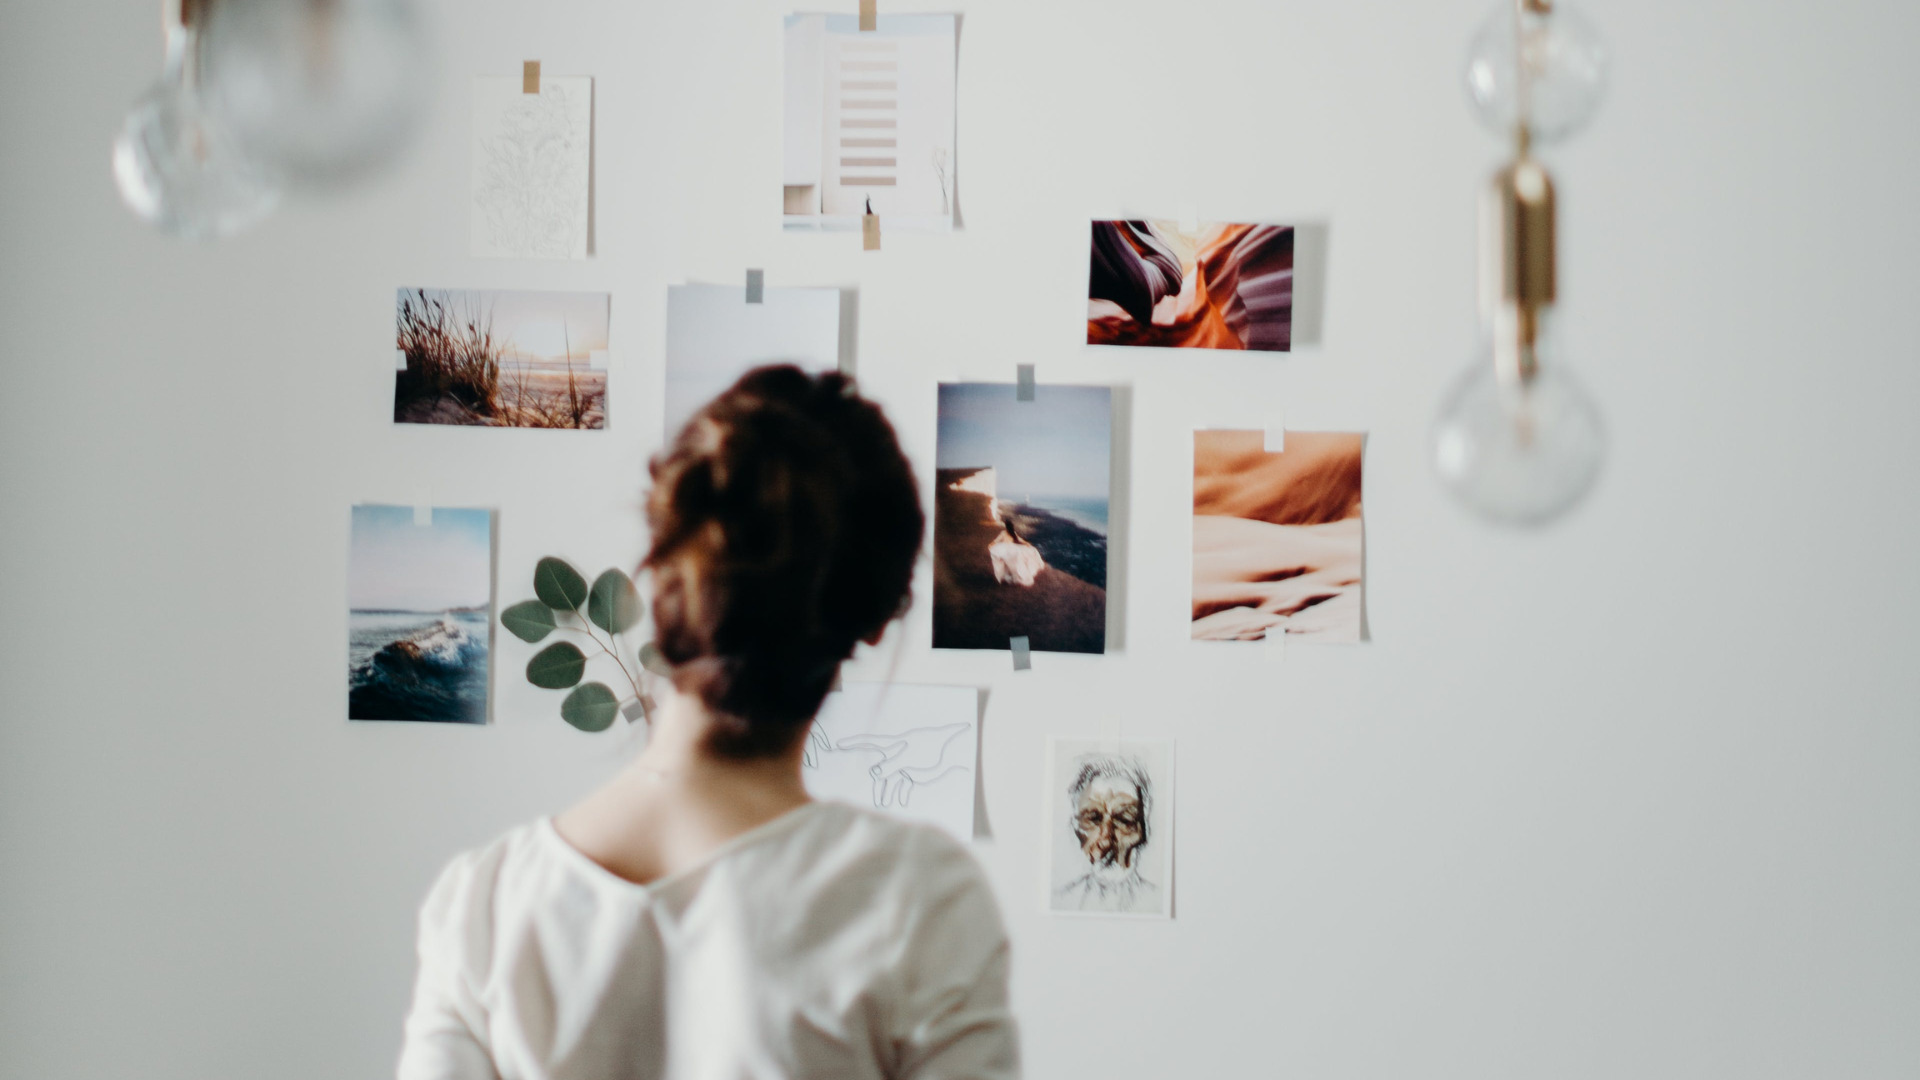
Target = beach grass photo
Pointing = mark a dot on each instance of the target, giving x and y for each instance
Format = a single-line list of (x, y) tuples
[(1020, 517), (484, 358), (1163, 285), (420, 601), (1278, 545)]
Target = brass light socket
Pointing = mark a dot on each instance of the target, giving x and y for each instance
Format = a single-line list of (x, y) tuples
[(1517, 259)]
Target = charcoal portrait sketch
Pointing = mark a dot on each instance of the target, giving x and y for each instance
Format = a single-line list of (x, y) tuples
[(531, 156), (900, 749), (1110, 815)]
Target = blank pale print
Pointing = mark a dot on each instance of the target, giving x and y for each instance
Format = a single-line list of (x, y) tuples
[(905, 750), (1277, 538), (870, 121), (531, 158), (1206, 286), (714, 336), (1110, 815)]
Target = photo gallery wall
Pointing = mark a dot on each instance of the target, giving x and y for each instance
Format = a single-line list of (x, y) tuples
[(1023, 473)]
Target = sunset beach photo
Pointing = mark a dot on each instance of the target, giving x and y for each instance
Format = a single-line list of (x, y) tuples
[(501, 359), (1020, 517)]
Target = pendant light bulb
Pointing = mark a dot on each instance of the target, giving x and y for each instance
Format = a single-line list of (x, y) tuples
[(1563, 61), (325, 91), (178, 166), (1518, 441)]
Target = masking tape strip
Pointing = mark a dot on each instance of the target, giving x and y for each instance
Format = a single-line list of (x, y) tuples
[(869, 15), (1275, 643), (634, 711), (870, 231), (1022, 653), (530, 77), (1276, 440), (756, 286), (1024, 390)]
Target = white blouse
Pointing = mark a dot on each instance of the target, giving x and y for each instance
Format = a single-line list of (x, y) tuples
[(829, 942)]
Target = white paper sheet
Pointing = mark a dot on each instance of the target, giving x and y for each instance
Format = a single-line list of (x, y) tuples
[(870, 116), (904, 750), (530, 166), (714, 336)]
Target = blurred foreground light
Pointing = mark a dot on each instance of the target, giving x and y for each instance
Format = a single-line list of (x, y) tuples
[(324, 92), (179, 167)]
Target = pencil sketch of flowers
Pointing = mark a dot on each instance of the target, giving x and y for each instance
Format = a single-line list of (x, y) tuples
[(940, 159), (530, 174)]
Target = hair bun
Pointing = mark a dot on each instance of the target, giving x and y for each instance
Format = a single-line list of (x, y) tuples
[(786, 522)]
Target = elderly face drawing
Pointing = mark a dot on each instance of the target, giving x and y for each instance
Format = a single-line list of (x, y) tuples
[(1110, 798)]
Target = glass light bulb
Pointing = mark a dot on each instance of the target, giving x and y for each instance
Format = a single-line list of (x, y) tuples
[(179, 168), (1518, 452), (326, 91), (1566, 65)]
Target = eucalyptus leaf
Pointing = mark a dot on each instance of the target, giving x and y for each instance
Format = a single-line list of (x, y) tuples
[(654, 660), (558, 585), (528, 620), (591, 707), (614, 604), (557, 666)]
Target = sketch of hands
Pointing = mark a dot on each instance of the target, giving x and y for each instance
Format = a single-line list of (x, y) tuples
[(817, 744), (907, 760)]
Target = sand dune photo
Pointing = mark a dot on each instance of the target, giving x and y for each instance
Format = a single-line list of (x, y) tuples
[(1277, 538), (1020, 517), (1209, 286)]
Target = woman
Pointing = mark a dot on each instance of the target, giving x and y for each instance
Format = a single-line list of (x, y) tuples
[(700, 917)]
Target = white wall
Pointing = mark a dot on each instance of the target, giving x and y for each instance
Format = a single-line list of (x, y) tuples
[(1635, 797)]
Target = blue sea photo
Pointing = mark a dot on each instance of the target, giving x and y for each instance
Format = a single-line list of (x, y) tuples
[(420, 600)]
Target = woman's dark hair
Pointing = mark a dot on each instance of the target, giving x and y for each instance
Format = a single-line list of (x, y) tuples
[(785, 523)]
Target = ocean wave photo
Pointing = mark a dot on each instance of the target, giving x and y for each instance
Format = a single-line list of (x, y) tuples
[(419, 623), (407, 665)]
